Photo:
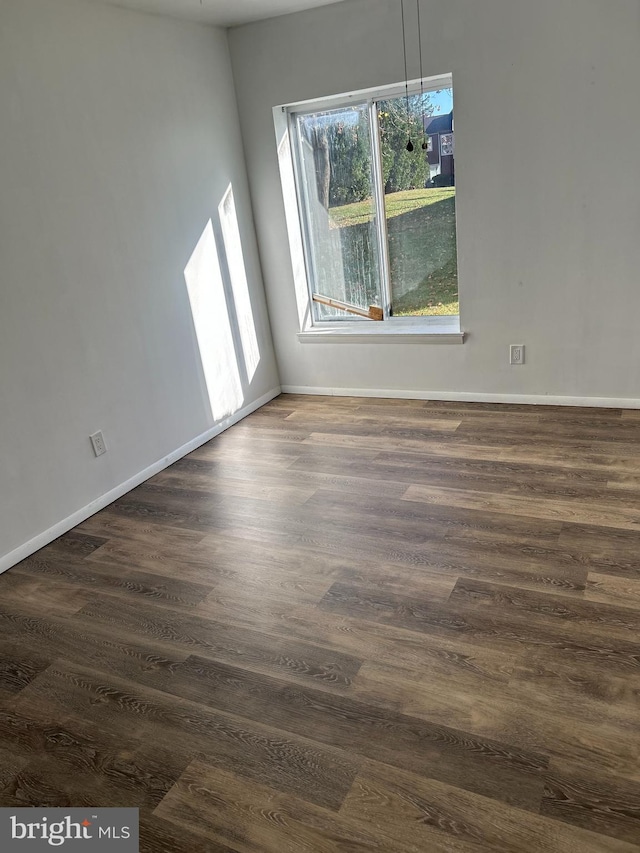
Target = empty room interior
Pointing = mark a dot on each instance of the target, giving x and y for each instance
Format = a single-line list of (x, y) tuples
[(320, 426)]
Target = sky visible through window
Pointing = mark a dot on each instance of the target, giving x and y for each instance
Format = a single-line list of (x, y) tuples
[(442, 101)]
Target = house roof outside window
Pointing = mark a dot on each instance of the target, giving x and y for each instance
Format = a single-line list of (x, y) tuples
[(439, 124)]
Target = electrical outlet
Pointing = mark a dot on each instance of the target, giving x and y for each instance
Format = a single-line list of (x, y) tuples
[(98, 443), (516, 354)]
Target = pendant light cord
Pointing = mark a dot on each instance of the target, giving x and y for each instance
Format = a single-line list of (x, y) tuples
[(406, 76), (424, 132)]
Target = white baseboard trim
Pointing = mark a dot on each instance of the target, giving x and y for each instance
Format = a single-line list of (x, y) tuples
[(38, 542), (469, 397)]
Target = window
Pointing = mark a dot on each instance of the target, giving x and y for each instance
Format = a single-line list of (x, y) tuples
[(378, 221), (336, 180), (446, 145)]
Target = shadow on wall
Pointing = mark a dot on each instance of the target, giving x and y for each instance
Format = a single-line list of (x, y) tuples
[(222, 313)]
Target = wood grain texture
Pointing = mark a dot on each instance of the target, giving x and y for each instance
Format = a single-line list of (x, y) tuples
[(255, 819), (600, 803), (375, 626), (616, 514), (282, 760), (393, 802)]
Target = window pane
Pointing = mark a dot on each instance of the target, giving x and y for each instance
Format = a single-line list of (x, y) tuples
[(335, 156), (419, 194)]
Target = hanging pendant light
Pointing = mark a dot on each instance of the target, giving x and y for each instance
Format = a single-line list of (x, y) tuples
[(425, 144), (410, 146)]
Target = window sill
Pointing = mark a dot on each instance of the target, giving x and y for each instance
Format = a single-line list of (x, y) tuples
[(429, 331)]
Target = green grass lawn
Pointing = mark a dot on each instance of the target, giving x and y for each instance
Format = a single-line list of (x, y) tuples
[(435, 296), (422, 248), (396, 204)]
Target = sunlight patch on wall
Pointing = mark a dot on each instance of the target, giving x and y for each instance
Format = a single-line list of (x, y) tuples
[(213, 327), (239, 284)]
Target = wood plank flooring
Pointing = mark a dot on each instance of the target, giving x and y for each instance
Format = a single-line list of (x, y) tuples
[(346, 625)]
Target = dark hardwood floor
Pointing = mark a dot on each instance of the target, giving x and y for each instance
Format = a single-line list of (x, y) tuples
[(346, 625)]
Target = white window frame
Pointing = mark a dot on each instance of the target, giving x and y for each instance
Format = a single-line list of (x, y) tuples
[(432, 329), (303, 205)]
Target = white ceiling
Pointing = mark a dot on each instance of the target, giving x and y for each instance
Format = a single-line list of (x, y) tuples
[(223, 13)]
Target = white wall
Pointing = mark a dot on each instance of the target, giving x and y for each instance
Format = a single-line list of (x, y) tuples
[(119, 137), (549, 247)]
